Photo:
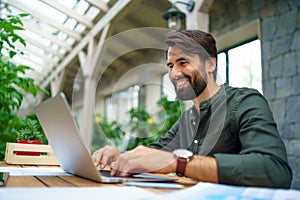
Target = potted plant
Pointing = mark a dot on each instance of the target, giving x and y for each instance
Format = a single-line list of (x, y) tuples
[(14, 85), (30, 134)]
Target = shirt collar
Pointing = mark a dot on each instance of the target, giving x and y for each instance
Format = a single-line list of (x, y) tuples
[(205, 104)]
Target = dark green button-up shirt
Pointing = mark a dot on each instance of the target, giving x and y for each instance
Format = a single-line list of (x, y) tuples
[(236, 126)]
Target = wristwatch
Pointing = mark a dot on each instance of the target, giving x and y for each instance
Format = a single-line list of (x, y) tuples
[(183, 157)]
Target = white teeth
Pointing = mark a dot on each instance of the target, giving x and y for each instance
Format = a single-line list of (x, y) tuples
[(180, 83)]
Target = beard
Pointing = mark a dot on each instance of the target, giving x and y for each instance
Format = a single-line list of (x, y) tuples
[(197, 84)]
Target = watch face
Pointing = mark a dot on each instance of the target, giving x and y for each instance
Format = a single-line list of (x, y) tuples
[(183, 153)]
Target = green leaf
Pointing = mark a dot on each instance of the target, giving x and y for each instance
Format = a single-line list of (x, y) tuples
[(14, 84), (24, 14), (22, 41), (12, 54)]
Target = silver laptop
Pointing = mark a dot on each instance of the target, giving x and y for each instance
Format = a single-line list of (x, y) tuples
[(63, 135)]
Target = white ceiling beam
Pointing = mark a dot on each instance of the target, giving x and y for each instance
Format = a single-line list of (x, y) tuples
[(52, 38), (40, 45), (56, 84), (97, 52), (99, 4), (35, 66), (71, 13), (37, 54), (81, 58), (113, 11), (35, 75), (21, 5)]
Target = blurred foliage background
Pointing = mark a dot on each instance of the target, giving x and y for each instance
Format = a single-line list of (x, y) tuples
[(141, 129), (14, 85)]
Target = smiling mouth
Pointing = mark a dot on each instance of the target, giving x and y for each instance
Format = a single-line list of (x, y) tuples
[(181, 83)]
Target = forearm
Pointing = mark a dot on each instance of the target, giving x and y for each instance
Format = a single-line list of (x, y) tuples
[(202, 169), (253, 170)]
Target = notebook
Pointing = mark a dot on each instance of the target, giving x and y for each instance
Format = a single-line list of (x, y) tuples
[(62, 132)]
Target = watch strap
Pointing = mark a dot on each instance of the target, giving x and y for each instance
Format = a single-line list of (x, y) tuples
[(181, 165)]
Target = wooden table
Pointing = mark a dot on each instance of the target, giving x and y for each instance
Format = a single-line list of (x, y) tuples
[(70, 181), (36, 187)]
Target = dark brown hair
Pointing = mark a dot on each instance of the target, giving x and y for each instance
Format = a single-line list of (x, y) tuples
[(194, 42)]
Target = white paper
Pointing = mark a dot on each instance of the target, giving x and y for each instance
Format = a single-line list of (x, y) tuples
[(218, 191), (207, 191), (155, 185), (77, 193), (34, 171)]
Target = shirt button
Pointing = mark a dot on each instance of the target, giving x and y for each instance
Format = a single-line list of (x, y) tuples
[(195, 141), (194, 123)]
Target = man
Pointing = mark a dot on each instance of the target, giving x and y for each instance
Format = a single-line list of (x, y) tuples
[(229, 136)]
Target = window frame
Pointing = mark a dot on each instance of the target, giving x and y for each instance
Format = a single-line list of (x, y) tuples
[(227, 56)]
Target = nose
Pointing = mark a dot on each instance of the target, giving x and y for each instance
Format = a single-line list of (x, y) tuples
[(175, 72)]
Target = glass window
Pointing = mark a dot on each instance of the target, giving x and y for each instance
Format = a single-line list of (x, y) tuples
[(221, 67), (118, 104), (243, 66)]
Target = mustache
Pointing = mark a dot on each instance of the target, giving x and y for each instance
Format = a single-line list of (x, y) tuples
[(180, 77)]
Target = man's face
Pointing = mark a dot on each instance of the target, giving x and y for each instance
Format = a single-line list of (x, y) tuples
[(187, 73)]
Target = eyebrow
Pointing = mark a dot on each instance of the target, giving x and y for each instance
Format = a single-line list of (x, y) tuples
[(178, 60)]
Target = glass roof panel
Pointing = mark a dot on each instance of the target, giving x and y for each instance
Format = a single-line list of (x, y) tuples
[(56, 15), (54, 47), (50, 33), (55, 58), (62, 36), (33, 59), (34, 48), (41, 26), (35, 37), (81, 7), (70, 23), (71, 40), (62, 51), (10, 11), (68, 3), (80, 28), (92, 12)]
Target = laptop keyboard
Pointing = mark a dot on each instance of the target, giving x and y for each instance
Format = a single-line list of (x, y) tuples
[(104, 172)]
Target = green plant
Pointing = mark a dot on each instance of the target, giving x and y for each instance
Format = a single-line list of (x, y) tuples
[(170, 113), (14, 85), (106, 132), (150, 128), (144, 128), (30, 131)]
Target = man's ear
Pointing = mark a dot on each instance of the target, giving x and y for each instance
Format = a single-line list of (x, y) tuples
[(211, 65)]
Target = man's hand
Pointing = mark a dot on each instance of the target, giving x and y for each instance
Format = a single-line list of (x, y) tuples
[(105, 156), (143, 159)]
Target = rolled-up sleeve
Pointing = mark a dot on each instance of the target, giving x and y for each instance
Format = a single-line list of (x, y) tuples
[(262, 160)]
